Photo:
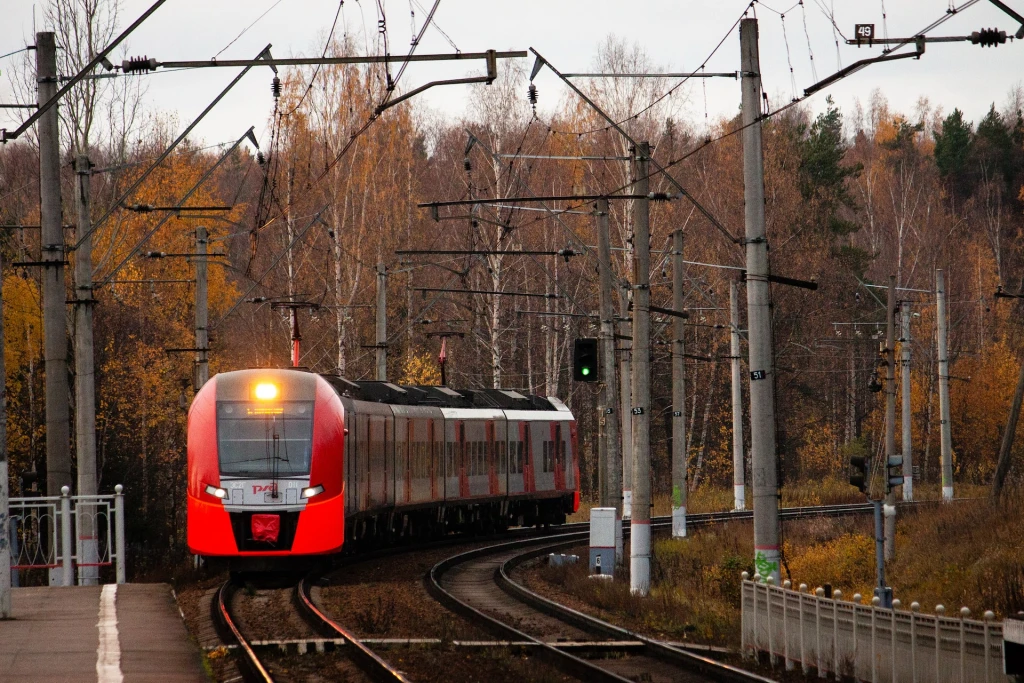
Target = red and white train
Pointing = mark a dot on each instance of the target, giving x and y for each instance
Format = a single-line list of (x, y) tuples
[(286, 464)]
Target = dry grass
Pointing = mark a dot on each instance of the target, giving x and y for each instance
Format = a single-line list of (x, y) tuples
[(967, 553)]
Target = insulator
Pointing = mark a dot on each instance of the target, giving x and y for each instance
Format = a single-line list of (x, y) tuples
[(261, 159), (275, 87), (531, 94), (467, 164), (988, 37), (138, 64)]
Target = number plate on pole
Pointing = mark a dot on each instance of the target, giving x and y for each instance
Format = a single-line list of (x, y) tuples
[(865, 33), (638, 411), (757, 374)]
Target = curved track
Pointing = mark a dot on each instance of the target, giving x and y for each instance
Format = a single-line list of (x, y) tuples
[(249, 664), (478, 585)]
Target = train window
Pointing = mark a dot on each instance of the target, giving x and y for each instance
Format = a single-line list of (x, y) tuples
[(253, 439)]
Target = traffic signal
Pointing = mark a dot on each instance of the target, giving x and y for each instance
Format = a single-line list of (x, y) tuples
[(584, 360), (893, 472), (859, 472)]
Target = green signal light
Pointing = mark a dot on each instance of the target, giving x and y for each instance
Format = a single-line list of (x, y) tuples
[(585, 371)]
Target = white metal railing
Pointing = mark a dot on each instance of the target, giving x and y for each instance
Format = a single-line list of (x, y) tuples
[(42, 529), (867, 642)]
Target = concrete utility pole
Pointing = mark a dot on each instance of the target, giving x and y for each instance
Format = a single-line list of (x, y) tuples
[(764, 462), (5, 548), (945, 441), (678, 394), (55, 332), (890, 416), (611, 466), (626, 405), (739, 492), (85, 380), (202, 336), (640, 522), (906, 440), (381, 346)]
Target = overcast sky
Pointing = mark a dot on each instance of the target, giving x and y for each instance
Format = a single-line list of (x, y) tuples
[(677, 36)]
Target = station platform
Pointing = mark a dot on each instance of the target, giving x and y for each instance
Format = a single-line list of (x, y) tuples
[(130, 633)]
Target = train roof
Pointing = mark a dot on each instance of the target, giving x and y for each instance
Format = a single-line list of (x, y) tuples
[(438, 396)]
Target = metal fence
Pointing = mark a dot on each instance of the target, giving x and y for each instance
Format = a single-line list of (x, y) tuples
[(60, 533), (867, 642)]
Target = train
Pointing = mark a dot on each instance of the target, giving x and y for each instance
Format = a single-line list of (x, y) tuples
[(288, 467)]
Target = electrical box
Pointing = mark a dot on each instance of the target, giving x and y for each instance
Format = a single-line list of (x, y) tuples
[(603, 522), (1013, 647)]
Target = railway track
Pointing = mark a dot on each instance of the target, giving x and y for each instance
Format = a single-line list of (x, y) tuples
[(253, 655), (478, 586)]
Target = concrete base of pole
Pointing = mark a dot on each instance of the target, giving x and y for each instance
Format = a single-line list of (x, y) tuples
[(889, 513), (678, 522), (640, 558), (908, 489), (739, 495), (89, 553), (767, 562), (620, 555), (947, 493), (627, 504), (5, 549)]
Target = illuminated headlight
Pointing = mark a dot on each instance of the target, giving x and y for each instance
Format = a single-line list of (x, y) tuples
[(311, 491), (216, 492)]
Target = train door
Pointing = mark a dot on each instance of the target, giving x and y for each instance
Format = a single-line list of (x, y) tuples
[(526, 446), (350, 456), (405, 468), (434, 459), (461, 448), (515, 458), (558, 456), (491, 449), (390, 493), (544, 479)]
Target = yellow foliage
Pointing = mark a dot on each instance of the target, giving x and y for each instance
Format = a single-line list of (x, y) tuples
[(23, 327), (847, 561), (420, 368)]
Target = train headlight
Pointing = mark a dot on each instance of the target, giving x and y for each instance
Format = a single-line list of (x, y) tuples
[(265, 391), (216, 492), (311, 491)]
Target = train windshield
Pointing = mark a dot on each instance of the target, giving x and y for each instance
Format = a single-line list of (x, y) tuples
[(264, 440)]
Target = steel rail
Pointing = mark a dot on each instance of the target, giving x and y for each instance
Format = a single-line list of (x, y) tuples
[(569, 663), (251, 667), (365, 658)]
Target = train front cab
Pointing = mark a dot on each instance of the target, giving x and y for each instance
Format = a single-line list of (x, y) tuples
[(256, 491)]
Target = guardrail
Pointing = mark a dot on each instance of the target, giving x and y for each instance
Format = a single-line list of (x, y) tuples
[(60, 533), (867, 642)]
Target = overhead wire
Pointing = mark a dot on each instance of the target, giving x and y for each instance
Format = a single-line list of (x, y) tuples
[(265, 13)]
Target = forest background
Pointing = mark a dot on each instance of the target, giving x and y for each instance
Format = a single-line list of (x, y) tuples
[(852, 197)]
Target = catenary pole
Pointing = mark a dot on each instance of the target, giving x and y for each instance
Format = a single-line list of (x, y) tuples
[(55, 348), (890, 415), (85, 386), (202, 329), (611, 467), (678, 394), (381, 346), (945, 440), (906, 440), (738, 464), (5, 548), (626, 404), (640, 522), (764, 461)]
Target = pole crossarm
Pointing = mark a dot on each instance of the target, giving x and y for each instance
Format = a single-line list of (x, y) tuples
[(485, 291), (661, 169), (97, 60), (549, 198), (479, 252), (857, 66), (691, 74), (313, 61)]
